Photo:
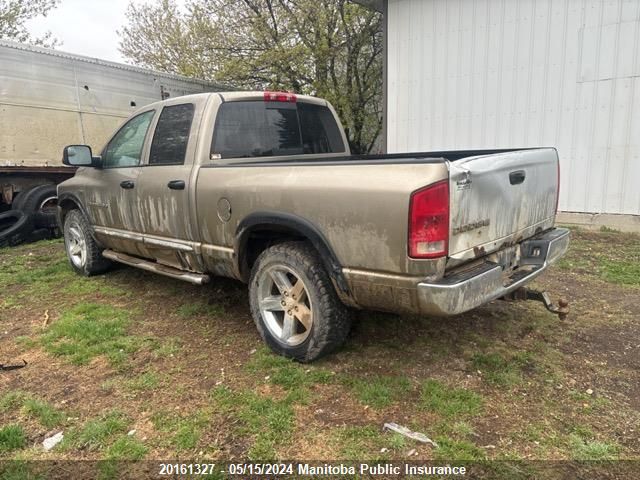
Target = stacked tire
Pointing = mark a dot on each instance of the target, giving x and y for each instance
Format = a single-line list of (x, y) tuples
[(33, 217)]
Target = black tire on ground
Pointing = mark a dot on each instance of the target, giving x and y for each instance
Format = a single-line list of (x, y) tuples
[(330, 318), (15, 227), (84, 254), (32, 200), (45, 220), (40, 234)]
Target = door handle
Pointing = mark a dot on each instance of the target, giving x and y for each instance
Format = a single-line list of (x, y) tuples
[(176, 184), (517, 177), (127, 184)]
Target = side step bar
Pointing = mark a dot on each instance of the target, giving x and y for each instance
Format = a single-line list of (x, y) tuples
[(195, 278)]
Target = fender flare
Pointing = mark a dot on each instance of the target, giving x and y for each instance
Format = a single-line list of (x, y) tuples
[(70, 197), (280, 221)]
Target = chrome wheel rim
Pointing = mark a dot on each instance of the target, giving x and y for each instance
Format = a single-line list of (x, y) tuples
[(285, 305), (48, 204), (76, 246)]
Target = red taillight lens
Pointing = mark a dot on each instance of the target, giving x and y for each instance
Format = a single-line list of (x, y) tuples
[(280, 97), (429, 221)]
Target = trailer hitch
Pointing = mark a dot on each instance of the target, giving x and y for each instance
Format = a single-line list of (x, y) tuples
[(524, 293)]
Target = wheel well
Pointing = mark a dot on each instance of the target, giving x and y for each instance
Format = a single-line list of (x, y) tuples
[(65, 206), (262, 230), (261, 238)]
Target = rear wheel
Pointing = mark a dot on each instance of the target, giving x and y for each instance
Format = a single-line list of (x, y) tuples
[(85, 255), (294, 304)]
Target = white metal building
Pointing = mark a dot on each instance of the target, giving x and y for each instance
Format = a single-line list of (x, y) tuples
[(516, 73)]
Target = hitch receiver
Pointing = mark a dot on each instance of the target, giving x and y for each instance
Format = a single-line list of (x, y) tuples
[(524, 293)]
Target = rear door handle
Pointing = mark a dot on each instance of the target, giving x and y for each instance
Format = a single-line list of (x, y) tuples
[(517, 177), (127, 184), (176, 184)]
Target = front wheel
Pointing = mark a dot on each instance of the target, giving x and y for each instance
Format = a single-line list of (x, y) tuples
[(294, 304), (85, 255)]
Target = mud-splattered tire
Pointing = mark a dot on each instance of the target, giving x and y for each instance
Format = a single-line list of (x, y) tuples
[(85, 255), (294, 304)]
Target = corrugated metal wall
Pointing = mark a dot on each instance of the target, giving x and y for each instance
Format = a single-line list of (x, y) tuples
[(517, 73), (49, 99)]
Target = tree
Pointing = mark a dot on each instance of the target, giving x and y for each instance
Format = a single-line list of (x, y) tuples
[(328, 48), (15, 13)]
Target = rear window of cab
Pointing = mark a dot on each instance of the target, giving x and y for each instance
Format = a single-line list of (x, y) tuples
[(268, 129)]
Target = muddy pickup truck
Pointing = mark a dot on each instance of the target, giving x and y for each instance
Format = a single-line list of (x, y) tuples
[(261, 187)]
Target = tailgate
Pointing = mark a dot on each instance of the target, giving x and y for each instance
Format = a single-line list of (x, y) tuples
[(501, 199)]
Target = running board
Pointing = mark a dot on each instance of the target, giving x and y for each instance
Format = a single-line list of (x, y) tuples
[(195, 278)]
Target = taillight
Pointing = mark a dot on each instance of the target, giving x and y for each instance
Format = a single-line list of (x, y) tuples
[(429, 221), (280, 97)]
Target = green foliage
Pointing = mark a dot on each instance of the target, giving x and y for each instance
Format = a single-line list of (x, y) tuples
[(11, 438), (88, 330), (448, 401), (14, 16), (329, 48), (379, 391)]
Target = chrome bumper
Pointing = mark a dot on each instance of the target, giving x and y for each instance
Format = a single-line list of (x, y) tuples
[(459, 293)]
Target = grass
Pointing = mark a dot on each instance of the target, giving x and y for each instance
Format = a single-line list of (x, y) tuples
[(448, 401), (268, 421), (379, 391), (199, 308), (144, 382), (502, 369), (12, 437), (457, 450), (97, 434), (591, 254), (285, 372), (88, 330), (183, 432), (127, 448), (589, 449), (47, 415), (273, 407)]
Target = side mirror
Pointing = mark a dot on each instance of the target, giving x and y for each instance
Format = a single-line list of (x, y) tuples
[(79, 156)]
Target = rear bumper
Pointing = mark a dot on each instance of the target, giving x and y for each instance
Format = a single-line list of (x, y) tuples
[(461, 292)]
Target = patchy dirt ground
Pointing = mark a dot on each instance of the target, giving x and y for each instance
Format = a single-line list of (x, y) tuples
[(132, 365)]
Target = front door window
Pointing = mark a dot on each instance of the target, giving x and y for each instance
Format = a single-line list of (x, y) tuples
[(125, 148)]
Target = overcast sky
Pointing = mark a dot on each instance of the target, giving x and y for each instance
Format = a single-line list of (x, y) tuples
[(86, 27)]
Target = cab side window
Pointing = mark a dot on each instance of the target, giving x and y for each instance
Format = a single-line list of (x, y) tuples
[(169, 145), (125, 148)]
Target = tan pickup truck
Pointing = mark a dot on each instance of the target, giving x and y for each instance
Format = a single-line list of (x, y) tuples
[(261, 187)]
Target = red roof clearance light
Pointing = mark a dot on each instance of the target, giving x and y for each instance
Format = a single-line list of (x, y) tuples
[(280, 97)]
